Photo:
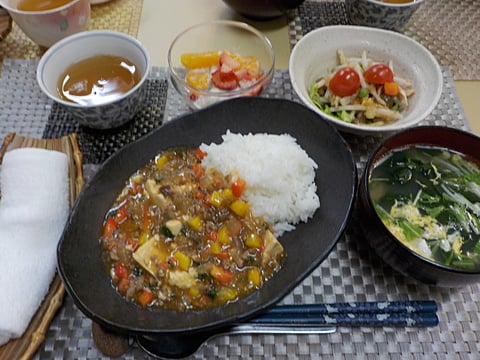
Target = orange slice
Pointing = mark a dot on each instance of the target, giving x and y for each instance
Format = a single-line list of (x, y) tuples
[(198, 79), (200, 60)]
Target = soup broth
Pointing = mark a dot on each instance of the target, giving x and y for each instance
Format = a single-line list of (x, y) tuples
[(40, 5), (429, 199), (97, 80)]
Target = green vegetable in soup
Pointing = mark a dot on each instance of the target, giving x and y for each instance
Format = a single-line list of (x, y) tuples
[(429, 199)]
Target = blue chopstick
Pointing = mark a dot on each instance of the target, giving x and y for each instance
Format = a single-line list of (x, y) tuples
[(359, 307), (389, 313)]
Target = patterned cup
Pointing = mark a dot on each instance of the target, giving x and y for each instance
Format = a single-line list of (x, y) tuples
[(385, 15), (84, 45), (48, 26)]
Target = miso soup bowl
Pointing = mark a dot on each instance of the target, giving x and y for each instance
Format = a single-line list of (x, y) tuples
[(382, 241), (46, 27), (85, 45)]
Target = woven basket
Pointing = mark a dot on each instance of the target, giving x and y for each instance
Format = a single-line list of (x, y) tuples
[(26, 346)]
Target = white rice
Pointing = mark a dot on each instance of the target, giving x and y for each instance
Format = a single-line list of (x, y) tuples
[(279, 173)]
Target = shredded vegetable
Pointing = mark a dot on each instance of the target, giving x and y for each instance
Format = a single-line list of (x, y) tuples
[(360, 90)]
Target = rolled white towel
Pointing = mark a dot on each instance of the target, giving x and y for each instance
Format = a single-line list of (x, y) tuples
[(33, 211)]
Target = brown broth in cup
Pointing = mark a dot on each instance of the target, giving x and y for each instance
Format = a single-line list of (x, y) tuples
[(41, 5), (97, 80)]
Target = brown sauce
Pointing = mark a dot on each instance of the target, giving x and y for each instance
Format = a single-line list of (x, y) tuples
[(177, 237), (40, 5), (97, 80)]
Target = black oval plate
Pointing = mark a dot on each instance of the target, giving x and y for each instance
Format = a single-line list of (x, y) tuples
[(81, 266)]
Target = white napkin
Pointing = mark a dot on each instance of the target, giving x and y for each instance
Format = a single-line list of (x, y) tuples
[(33, 211)]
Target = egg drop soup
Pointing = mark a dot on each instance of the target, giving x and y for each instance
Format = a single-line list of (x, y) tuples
[(429, 199)]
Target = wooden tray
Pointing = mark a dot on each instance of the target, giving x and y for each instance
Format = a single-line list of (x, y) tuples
[(26, 346)]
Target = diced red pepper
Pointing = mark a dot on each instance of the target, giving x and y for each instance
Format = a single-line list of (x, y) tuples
[(123, 285), (135, 188), (223, 255), (145, 297), (200, 154), (133, 243), (238, 186), (146, 220), (222, 275), (199, 195), (198, 170), (121, 271), (121, 214), (213, 235), (109, 227)]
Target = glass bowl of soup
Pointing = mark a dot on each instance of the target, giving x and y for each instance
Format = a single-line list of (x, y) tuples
[(385, 14), (419, 202), (97, 76), (46, 22)]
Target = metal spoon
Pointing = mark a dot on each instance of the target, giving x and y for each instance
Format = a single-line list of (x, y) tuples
[(182, 345)]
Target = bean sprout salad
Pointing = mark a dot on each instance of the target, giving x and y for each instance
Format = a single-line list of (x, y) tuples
[(360, 90)]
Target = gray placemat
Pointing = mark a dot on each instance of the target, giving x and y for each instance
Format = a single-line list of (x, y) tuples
[(449, 29), (96, 145), (351, 272)]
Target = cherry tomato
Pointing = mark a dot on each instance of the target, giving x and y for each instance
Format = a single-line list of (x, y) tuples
[(345, 82), (378, 74), (121, 271)]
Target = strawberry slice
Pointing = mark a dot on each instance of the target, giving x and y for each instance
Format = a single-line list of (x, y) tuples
[(224, 78), (244, 74), (229, 60)]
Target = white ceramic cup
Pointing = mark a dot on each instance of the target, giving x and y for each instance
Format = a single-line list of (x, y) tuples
[(47, 27), (85, 45)]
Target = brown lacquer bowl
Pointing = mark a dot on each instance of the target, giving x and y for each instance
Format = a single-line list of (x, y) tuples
[(263, 9), (383, 242)]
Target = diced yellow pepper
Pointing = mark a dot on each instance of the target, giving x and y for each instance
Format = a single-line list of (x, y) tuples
[(215, 248), (223, 236), (240, 207), (143, 238), (183, 260), (194, 291), (216, 199), (227, 294), (254, 276), (195, 223), (253, 240), (228, 194), (161, 161)]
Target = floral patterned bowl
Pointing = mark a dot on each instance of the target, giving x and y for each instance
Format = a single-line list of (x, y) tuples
[(46, 27), (385, 15), (75, 48)]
